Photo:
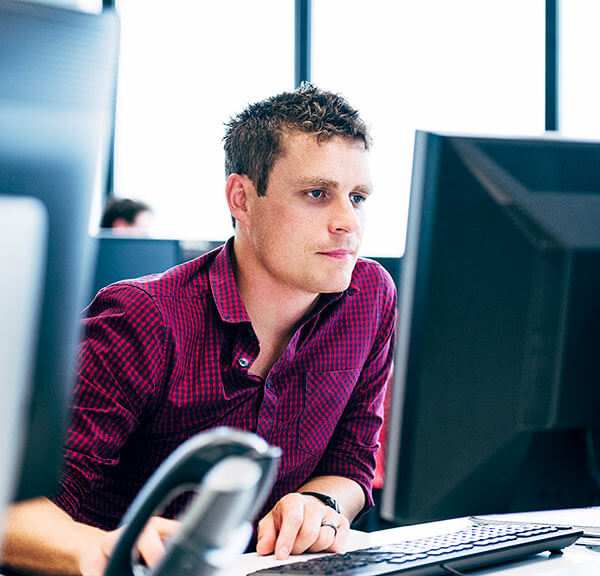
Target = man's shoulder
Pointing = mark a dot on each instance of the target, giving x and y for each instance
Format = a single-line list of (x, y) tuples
[(371, 295), (371, 277)]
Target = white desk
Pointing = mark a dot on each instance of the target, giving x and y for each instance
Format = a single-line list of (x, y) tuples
[(576, 560)]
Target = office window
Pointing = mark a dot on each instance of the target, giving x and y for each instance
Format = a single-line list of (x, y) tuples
[(579, 81), (459, 65), (185, 68)]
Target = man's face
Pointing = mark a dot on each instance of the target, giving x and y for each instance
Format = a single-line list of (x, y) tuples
[(307, 229)]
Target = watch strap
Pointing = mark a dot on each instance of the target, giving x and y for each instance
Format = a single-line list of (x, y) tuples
[(327, 500)]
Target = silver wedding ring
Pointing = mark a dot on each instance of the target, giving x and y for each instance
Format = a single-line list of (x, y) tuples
[(331, 525)]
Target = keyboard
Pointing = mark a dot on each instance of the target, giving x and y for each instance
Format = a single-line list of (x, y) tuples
[(466, 549)]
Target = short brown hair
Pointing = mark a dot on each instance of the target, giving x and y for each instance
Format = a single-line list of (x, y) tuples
[(253, 137)]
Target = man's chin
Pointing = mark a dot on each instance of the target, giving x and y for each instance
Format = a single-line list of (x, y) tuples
[(336, 285)]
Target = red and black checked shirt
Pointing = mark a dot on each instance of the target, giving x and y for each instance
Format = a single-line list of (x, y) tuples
[(167, 356)]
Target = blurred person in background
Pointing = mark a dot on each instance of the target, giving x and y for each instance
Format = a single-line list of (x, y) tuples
[(126, 216)]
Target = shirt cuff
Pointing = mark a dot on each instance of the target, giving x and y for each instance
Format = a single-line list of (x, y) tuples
[(341, 467)]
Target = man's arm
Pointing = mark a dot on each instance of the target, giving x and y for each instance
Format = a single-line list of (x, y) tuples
[(41, 535), (299, 523), (41, 538)]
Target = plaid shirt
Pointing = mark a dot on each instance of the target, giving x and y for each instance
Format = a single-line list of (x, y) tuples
[(166, 356)]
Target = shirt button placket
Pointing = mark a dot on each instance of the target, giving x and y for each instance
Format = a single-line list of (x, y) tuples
[(243, 362)]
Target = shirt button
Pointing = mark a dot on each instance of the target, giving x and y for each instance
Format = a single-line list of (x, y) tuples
[(243, 362)]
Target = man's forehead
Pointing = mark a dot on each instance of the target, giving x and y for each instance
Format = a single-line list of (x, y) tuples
[(292, 137)]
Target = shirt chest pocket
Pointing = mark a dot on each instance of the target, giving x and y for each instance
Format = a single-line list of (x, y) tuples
[(325, 397)]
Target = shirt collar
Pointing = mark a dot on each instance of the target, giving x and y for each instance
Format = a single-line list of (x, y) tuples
[(224, 288)]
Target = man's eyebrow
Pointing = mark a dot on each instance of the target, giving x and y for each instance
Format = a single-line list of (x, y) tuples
[(365, 189), (310, 182)]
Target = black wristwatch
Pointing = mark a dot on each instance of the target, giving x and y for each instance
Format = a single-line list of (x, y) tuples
[(327, 500)]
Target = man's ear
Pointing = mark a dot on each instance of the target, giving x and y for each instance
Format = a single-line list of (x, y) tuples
[(237, 190)]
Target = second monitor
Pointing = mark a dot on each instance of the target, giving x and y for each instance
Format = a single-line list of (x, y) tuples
[(496, 396), (121, 257)]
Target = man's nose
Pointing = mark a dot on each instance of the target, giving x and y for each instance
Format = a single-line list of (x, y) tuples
[(343, 217)]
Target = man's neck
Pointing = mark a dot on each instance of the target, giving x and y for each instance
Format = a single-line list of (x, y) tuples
[(275, 311), (275, 307)]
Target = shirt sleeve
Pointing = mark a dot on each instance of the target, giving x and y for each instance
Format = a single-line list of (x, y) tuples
[(352, 450), (120, 367)]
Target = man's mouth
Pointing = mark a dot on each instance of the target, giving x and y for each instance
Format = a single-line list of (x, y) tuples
[(339, 254)]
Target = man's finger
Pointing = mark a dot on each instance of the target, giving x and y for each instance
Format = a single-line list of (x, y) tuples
[(328, 531), (164, 526), (343, 531), (310, 531), (289, 515), (267, 535), (151, 543), (150, 547)]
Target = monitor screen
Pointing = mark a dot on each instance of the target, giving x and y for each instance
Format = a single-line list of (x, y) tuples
[(120, 258), (57, 91), (495, 405)]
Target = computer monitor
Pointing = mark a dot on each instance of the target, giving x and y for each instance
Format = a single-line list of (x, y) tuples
[(23, 236), (119, 258), (495, 405), (57, 94)]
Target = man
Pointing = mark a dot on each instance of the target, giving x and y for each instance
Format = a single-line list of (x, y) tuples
[(127, 217), (282, 332)]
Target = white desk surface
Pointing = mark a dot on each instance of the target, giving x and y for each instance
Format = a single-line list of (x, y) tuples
[(576, 560)]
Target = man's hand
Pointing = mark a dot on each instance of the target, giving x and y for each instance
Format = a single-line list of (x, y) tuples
[(298, 524), (40, 537), (150, 546)]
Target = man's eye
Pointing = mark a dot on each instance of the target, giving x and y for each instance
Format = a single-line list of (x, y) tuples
[(357, 198), (316, 193)]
